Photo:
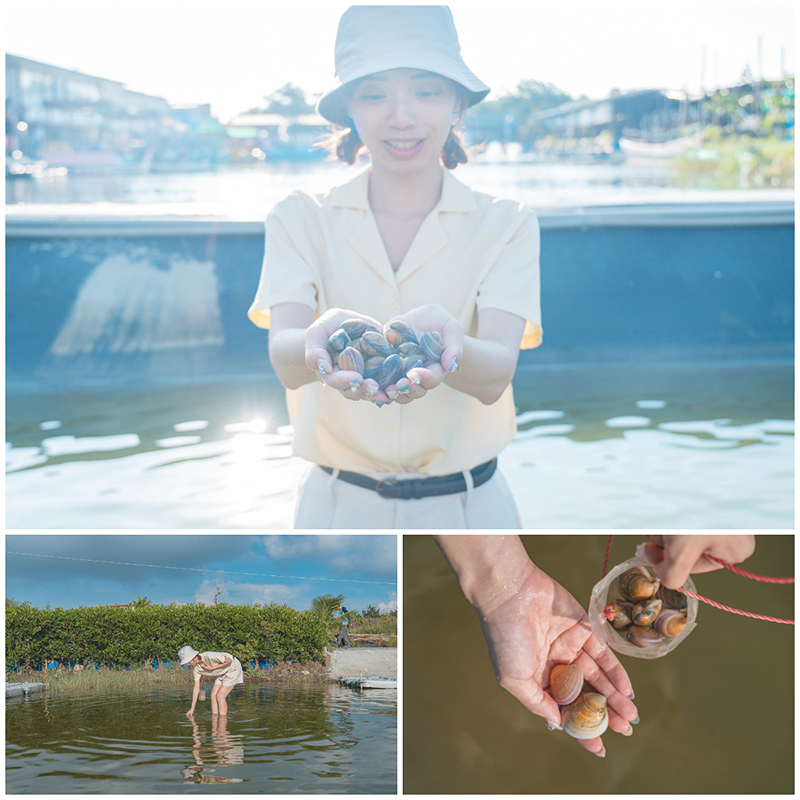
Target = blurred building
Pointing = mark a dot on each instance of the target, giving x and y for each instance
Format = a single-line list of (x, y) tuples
[(85, 122), (276, 137)]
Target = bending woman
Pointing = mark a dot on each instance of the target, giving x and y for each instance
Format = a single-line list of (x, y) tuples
[(223, 667), (403, 241)]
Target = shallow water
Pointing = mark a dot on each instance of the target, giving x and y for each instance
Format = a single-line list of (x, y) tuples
[(299, 740), (716, 714), (688, 447)]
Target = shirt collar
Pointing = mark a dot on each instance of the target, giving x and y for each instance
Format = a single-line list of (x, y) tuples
[(456, 196)]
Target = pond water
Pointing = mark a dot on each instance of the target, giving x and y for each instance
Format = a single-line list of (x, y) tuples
[(299, 740), (711, 722), (686, 447)]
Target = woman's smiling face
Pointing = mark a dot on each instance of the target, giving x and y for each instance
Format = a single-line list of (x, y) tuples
[(403, 117)]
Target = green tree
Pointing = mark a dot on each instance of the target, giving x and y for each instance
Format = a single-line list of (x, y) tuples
[(289, 101), (326, 606)]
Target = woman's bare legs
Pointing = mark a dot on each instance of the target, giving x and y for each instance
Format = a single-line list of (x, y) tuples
[(219, 704)]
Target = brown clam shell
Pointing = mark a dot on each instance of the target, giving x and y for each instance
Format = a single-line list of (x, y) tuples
[(644, 636), (390, 371), (672, 598), (372, 343), (337, 342), (622, 614), (645, 613), (566, 682), (399, 333), (432, 345), (351, 360), (354, 328), (637, 584), (585, 717), (670, 622)]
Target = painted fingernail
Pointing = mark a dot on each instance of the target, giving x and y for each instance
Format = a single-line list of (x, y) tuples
[(553, 726), (371, 391), (453, 365), (392, 393), (635, 721), (378, 404), (404, 388), (631, 695), (355, 383), (413, 378), (324, 367), (628, 732), (603, 754)]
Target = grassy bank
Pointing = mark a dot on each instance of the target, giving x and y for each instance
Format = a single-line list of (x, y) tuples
[(92, 680)]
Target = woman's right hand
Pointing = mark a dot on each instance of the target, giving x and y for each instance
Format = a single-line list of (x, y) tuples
[(351, 385), (190, 712)]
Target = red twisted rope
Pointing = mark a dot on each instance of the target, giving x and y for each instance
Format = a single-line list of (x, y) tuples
[(737, 570)]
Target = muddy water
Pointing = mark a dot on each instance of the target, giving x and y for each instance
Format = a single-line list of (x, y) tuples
[(717, 714), (304, 740), (686, 447)]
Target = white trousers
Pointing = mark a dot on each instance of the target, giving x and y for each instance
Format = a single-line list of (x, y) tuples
[(325, 502)]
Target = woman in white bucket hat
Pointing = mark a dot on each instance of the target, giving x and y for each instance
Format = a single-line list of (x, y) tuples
[(223, 667), (403, 240)]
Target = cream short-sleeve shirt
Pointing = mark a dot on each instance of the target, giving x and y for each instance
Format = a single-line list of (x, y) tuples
[(473, 251), (216, 660)]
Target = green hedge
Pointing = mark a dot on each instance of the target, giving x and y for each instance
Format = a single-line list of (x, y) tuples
[(130, 636)]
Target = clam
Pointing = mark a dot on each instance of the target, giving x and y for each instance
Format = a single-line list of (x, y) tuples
[(432, 344), (670, 622), (389, 372), (411, 362), (672, 598), (354, 328), (645, 613), (407, 349), (351, 360), (585, 717), (644, 636), (621, 614), (636, 585), (338, 341), (399, 333), (566, 682), (372, 343)]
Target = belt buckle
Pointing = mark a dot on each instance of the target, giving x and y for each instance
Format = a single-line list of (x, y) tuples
[(386, 482)]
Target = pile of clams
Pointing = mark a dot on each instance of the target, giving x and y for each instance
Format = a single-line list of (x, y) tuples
[(647, 613), (358, 346), (584, 715)]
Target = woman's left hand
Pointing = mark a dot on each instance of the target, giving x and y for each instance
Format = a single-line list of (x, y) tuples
[(421, 380)]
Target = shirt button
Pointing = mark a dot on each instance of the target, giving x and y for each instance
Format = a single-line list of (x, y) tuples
[(392, 425), (393, 303)]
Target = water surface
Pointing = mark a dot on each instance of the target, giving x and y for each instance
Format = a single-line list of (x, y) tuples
[(712, 722), (276, 740)]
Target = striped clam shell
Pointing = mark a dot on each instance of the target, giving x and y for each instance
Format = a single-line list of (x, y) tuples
[(566, 682), (585, 717)]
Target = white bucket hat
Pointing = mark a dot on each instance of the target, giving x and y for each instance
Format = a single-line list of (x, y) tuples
[(372, 39), (186, 654)]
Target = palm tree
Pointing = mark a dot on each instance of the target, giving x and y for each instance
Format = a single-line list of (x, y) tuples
[(327, 607)]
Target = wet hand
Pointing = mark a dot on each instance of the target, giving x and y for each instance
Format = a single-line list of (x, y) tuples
[(541, 625), (675, 557)]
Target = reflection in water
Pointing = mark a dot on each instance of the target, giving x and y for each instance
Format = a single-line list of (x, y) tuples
[(685, 449), (320, 739)]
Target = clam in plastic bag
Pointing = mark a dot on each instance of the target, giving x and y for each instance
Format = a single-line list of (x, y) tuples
[(607, 591)]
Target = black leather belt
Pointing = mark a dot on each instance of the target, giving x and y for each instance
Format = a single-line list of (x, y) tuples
[(417, 488)]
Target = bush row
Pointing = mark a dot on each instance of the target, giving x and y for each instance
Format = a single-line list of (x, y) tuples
[(128, 636)]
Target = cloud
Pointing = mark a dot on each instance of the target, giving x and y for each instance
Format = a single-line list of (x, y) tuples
[(384, 608), (226, 591)]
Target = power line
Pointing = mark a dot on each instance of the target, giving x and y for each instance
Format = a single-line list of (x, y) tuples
[(195, 569)]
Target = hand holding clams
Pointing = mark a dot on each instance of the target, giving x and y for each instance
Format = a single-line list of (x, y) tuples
[(584, 715)]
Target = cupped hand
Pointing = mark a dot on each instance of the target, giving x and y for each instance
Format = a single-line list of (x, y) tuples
[(420, 381), (350, 384), (675, 557), (190, 713), (542, 625)]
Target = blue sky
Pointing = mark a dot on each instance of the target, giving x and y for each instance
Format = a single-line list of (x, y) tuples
[(288, 570)]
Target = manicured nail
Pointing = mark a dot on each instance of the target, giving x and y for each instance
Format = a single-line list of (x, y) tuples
[(631, 695), (379, 405), (553, 726), (404, 388), (414, 378), (453, 365), (628, 732), (371, 391), (355, 383), (603, 754), (635, 721), (392, 393), (324, 367)]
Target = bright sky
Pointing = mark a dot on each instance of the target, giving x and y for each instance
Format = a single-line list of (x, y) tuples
[(232, 54), (287, 570)]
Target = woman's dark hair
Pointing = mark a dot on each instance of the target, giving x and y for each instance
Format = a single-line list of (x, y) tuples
[(345, 144)]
